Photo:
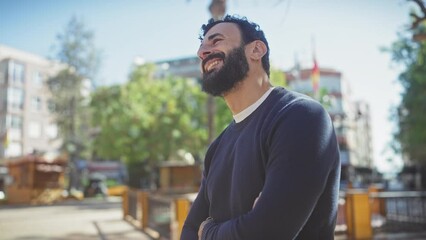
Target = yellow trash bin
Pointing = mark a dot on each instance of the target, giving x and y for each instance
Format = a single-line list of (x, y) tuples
[(358, 215)]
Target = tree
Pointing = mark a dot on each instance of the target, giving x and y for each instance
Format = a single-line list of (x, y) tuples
[(278, 77), (222, 115), (81, 60), (411, 113), (148, 121), (77, 49)]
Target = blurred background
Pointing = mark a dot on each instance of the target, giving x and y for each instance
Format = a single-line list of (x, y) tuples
[(102, 98)]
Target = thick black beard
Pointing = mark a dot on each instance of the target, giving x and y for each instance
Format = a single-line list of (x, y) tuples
[(235, 68)]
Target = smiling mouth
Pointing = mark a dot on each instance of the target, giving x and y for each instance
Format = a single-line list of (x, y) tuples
[(209, 66)]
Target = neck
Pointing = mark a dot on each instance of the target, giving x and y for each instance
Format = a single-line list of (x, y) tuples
[(247, 92)]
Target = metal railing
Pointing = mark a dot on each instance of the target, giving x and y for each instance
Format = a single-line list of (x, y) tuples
[(401, 211), (361, 213), (160, 215), (132, 202), (383, 212)]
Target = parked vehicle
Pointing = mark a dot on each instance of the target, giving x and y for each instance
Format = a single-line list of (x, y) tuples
[(96, 186)]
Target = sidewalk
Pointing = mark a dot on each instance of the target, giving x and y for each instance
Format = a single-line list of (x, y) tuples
[(116, 228), (119, 229), (89, 219)]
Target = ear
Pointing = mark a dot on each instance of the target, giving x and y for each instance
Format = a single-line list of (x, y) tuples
[(257, 50)]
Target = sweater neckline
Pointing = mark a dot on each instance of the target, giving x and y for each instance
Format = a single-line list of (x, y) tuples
[(237, 126), (239, 117)]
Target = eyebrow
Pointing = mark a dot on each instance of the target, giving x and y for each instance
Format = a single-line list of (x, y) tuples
[(212, 37), (215, 35)]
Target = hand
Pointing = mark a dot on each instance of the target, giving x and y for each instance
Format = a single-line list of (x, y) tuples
[(200, 230)]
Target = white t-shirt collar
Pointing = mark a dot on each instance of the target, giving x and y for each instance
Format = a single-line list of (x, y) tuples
[(250, 109)]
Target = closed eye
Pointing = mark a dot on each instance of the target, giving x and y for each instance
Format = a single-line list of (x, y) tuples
[(216, 40), (215, 37)]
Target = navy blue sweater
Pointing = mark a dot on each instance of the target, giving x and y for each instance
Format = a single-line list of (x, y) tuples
[(286, 150)]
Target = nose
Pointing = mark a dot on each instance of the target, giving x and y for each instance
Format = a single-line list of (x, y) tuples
[(203, 52)]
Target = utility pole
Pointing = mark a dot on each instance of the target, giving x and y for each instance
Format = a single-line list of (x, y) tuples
[(217, 10)]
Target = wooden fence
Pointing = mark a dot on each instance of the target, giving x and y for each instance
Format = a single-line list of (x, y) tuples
[(158, 214)]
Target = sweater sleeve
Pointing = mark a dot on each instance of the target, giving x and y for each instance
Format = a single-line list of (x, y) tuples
[(302, 151), (200, 207), (197, 214)]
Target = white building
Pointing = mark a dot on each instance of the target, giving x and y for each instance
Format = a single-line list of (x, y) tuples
[(351, 120), (363, 141), (26, 124)]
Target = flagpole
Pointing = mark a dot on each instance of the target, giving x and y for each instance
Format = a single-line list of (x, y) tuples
[(315, 72)]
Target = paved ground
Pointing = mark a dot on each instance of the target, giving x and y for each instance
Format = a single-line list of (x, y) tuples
[(74, 220)]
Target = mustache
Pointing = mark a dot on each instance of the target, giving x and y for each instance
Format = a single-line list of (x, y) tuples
[(211, 56)]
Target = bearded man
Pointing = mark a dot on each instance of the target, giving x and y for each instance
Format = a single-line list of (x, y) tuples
[(274, 172)]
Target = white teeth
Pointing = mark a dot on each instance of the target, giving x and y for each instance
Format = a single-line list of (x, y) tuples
[(211, 65)]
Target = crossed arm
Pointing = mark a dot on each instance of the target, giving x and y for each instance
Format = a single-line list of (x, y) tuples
[(296, 176)]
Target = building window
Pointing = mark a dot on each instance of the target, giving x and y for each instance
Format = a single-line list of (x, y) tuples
[(36, 103), (14, 135), (15, 98), (3, 99), (50, 105), (16, 73), (3, 74), (52, 131), (34, 130), (37, 79), (2, 125), (13, 121), (14, 149)]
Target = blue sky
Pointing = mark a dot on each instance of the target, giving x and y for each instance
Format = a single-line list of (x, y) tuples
[(348, 36)]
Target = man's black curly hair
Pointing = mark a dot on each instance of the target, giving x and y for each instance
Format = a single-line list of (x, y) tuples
[(250, 32)]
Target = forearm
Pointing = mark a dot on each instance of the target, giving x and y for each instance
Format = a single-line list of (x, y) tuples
[(274, 217), (197, 214)]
